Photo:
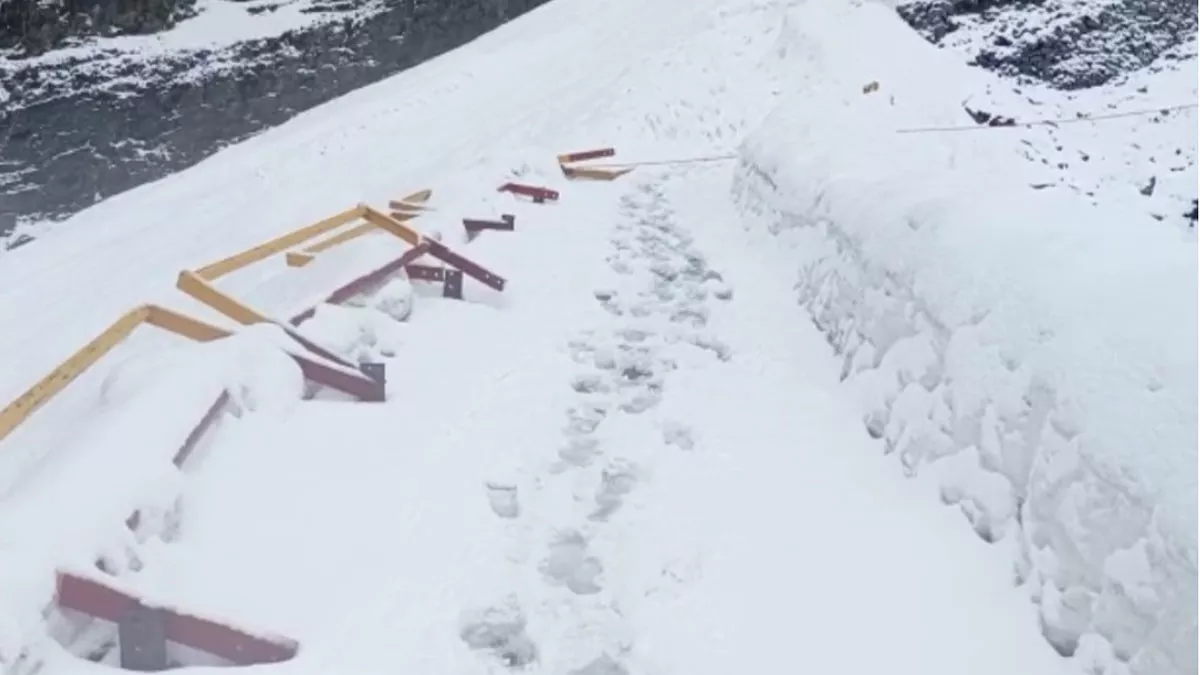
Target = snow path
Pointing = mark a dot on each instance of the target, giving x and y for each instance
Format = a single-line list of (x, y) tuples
[(634, 461), (714, 505)]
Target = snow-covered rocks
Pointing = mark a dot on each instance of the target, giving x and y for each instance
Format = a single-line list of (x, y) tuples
[(1066, 43)]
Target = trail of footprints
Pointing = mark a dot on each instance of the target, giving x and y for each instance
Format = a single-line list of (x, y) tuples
[(624, 372)]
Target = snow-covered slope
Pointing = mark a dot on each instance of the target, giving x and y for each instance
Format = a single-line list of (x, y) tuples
[(694, 488), (1034, 349)]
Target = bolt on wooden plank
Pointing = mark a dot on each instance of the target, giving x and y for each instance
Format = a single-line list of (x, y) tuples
[(451, 279)]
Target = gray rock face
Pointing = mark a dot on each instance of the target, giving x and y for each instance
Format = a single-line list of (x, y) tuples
[(73, 137), (32, 27), (1067, 44)]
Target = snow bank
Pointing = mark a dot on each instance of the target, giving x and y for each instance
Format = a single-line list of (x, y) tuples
[(1036, 353), (71, 511)]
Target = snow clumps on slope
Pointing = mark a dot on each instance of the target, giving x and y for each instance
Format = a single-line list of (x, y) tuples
[(1032, 352)]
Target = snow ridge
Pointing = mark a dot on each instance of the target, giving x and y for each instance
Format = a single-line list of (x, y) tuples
[(1002, 341)]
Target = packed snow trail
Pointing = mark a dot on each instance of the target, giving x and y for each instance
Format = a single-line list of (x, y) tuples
[(636, 460), (713, 507)]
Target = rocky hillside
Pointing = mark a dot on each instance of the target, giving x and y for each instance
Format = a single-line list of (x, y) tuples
[(1069, 44), (1081, 59), (33, 27), (90, 106)]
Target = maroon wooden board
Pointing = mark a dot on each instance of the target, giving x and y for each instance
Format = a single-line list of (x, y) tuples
[(193, 439), (537, 193), (361, 284), (357, 385), (451, 279), (189, 444), (588, 154), (104, 602), (425, 272), (506, 223), (472, 269)]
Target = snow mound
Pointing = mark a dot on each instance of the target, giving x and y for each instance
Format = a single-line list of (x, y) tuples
[(71, 511), (1038, 351)]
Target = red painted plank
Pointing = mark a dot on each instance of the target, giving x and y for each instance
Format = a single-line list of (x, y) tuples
[(103, 602), (361, 284), (587, 154), (537, 193), (92, 598), (193, 439), (472, 269)]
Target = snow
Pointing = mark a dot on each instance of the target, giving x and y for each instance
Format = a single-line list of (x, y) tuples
[(639, 457), (217, 24), (1039, 351)]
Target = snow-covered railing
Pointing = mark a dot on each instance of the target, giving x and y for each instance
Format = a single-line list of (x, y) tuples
[(233, 319)]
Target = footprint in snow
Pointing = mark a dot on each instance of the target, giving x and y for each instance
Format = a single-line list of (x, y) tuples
[(616, 481), (603, 665), (500, 630), (503, 499), (569, 564)]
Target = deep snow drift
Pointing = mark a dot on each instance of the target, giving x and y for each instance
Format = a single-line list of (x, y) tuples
[(1037, 352), (636, 460)]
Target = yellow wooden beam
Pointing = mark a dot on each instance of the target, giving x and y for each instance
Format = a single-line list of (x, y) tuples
[(191, 283), (66, 373), (418, 197), (391, 225), (236, 262), (183, 325), (586, 173), (307, 254), (298, 258)]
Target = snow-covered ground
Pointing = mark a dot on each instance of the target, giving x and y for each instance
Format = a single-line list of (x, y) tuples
[(640, 458), (1036, 348)]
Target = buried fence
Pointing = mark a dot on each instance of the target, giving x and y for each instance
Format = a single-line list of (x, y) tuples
[(144, 627)]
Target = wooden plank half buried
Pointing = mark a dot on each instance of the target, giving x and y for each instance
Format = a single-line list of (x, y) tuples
[(410, 211), (49, 386), (317, 363), (277, 245), (101, 601), (418, 197), (587, 173), (413, 203)]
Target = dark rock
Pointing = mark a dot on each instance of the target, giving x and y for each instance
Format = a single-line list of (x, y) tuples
[(33, 27), (1067, 45), (1148, 189), (74, 138)]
